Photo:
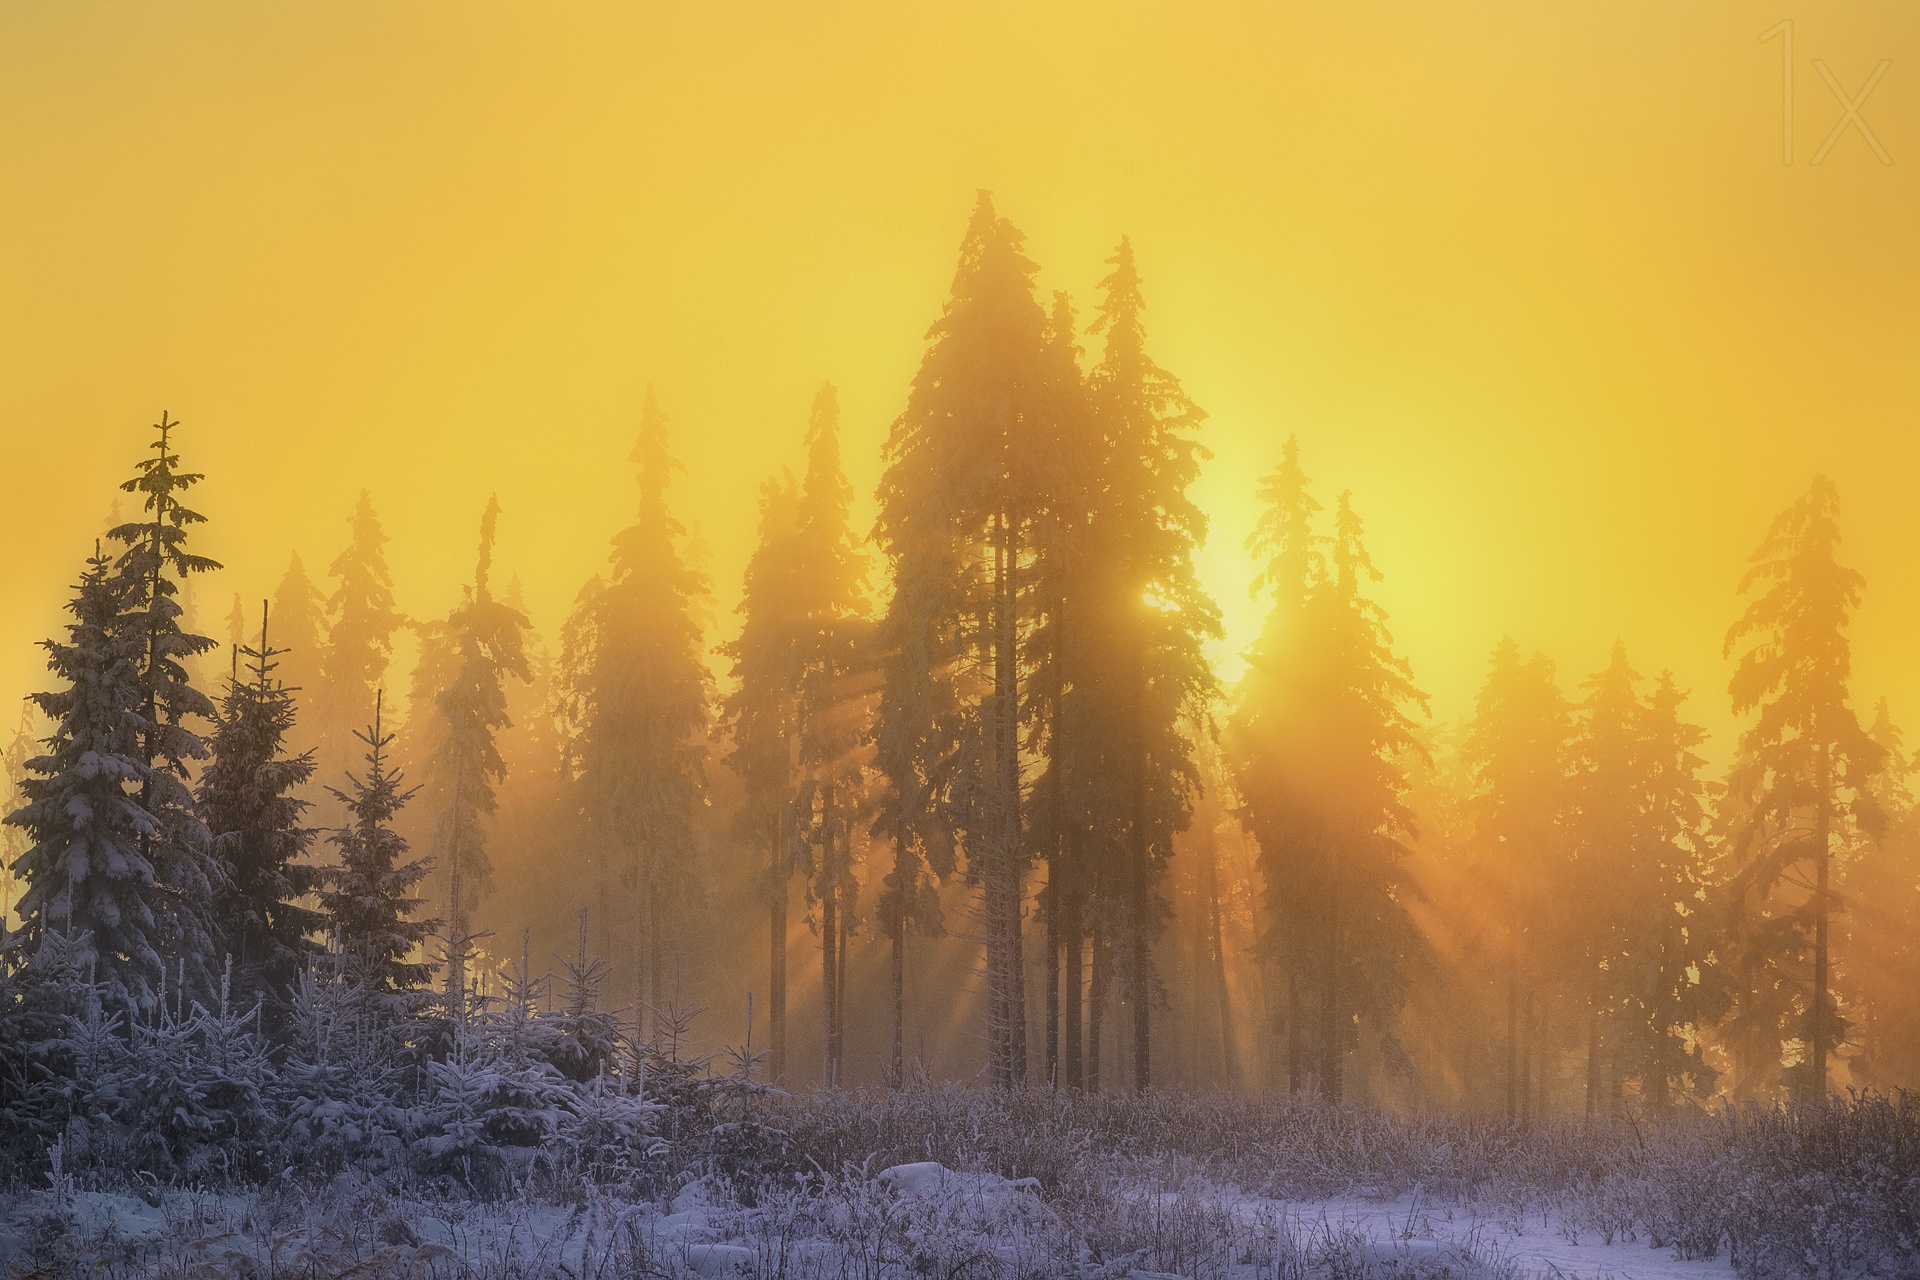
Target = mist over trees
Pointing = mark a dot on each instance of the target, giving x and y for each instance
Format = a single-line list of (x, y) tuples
[(963, 795)]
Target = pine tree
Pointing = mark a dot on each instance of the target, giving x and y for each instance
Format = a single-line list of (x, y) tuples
[(361, 624), (1153, 614), (956, 505), (245, 798), (94, 897), (479, 647), (152, 568), (758, 717), (1806, 765), (638, 700), (371, 896)]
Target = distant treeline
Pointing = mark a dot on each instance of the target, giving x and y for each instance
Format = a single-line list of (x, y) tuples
[(991, 725)]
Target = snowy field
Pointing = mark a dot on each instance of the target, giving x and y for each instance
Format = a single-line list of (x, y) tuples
[(1031, 1185), (912, 1220)]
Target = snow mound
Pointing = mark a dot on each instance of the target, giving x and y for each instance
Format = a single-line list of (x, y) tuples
[(931, 1180)]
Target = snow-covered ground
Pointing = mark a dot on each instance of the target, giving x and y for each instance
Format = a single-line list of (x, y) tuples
[(911, 1220)]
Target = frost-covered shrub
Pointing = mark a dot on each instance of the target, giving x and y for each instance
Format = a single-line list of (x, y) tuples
[(192, 1093), (338, 1091)]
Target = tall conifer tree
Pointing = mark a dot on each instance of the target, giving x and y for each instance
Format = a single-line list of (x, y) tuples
[(759, 721), (481, 645), (152, 569), (832, 698), (372, 896), (1291, 562), (300, 630), (1517, 751), (1320, 741), (956, 504), (1153, 616), (93, 890), (639, 702), (246, 799), (361, 624), (1806, 764)]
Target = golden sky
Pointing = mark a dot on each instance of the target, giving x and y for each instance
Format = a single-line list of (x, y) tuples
[(1530, 278)]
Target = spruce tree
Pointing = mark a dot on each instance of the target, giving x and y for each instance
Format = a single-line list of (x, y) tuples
[(13, 777), (1806, 765), (94, 896), (1260, 739), (1670, 944), (638, 700), (1612, 861), (246, 799), (477, 649), (361, 623), (758, 717), (1877, 965), (1069, 789), (831, 704), (956, 507), (1517, 752), (1320, 742), (1153, 615), (371, 897), (300, 627), (151, 569)]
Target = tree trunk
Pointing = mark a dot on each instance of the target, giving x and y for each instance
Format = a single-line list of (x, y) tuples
[(1052, 908), (1216, 941), (1001, 887), (1821, 1037), (1593, 1047), (829, 980), (896, 1061), (777, 958), (840, 998), (1296, 1063), (1096, 1005), (1331, 1028), (1514, 1091), (1073, 943), (1655, 1088)]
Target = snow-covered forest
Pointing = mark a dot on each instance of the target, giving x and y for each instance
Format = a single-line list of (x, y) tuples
[(953, 917)]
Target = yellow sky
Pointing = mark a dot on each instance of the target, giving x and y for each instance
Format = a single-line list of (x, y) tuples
[(1531, 279)]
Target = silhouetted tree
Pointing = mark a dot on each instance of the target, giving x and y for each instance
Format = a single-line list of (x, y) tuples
[(1516, 749), (371, 897), (1321, 736), (955, 505), (758, 717), (1153, 617), (1806, 765), (152, 568), (480, 646), (638, 700), (300, 627), (831, 704), (361, 624), (94, 895), (246, 799), (1261, 739)]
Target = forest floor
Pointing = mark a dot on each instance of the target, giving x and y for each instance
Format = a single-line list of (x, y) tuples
[(954, 1183)]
